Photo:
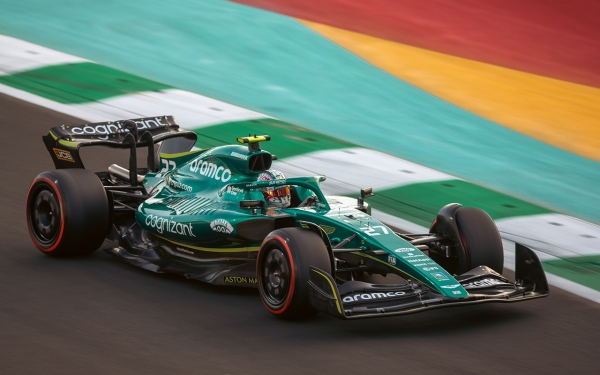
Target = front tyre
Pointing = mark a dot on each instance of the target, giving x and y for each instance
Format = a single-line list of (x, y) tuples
[(67, 212), (480, 239), (283, 270)]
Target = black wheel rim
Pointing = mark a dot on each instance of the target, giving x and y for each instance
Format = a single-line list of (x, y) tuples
[(276, 277), (44, 217)]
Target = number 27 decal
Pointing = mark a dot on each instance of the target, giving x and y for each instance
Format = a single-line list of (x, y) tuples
[(374, 230)]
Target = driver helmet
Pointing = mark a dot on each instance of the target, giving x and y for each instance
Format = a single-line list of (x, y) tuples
[(276, 196)]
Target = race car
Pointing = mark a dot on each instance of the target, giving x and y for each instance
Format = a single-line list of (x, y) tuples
[(224, 216)]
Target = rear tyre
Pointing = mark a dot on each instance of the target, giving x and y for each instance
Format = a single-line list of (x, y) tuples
[(67, 212), (480, 239), (283, 270)]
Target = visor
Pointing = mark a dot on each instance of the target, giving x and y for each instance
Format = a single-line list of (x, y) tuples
[(279, 192)]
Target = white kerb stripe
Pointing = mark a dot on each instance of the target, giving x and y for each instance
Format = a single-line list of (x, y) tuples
[(555, 234), (350, 169), (17, 55), (47, 103), (191, 110)]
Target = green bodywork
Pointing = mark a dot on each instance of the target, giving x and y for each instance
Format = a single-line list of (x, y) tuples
[(195, 205)]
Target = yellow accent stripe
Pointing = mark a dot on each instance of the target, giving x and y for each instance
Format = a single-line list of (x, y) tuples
[(559, 113), (337, 303), (178, 155), (214, 249), (68, 143), (53, 136)]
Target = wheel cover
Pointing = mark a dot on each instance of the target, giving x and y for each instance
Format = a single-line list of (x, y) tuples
[(276, 278), (45, 217)]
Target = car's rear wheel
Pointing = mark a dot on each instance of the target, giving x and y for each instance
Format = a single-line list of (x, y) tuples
[(283, 270), (67, 212)]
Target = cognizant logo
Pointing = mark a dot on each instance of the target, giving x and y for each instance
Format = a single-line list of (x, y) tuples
[(162, 224), (107, 129), (210, 170)]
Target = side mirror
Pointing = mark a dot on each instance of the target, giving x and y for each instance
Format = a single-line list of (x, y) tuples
[(253, 205), (366, 192)]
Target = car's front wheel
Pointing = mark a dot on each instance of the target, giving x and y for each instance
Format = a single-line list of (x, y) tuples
[(283, 270), (476, 240), (480, 239)]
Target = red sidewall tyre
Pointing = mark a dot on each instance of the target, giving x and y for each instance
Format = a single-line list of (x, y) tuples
[(283, 270), (67, 212)]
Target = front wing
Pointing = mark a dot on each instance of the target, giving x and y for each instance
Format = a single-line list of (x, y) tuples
[(356, 299)]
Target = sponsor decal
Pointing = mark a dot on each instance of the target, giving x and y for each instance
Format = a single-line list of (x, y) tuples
[(162, 224), (178, 185), (104, 130), (417, 260), (183, 250), (239, 280), (439, 276), (234, 190), (239, 156), (374, 230), (372, 296), (392, 260), (484, 282), (169, 165), (404, 250), (63, 155), (430, 268), (456, 292), (210, 170), (453, 286), (221, 226), (277, 182)]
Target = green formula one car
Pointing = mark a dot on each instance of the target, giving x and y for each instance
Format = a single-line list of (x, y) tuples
[(223, 216)]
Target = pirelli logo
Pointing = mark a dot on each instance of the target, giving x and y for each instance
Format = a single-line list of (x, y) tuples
[(63, 155)]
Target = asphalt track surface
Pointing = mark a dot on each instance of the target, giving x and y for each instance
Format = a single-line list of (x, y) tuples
[(96, 315)]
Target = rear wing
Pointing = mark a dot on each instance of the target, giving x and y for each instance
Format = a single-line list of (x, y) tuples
[(64, 142)]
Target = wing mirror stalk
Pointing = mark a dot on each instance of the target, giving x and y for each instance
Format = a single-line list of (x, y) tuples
[(364, 193)]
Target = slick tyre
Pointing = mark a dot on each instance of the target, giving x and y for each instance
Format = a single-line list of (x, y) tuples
[(67, 212), (480, 239), (283, 270)]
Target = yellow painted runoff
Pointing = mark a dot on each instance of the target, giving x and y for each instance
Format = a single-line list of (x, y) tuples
[(563, 114)]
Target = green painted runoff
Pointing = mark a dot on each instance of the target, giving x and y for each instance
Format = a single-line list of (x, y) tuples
[(289, 140), (419, 203), (584, 270), (79, 83)]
